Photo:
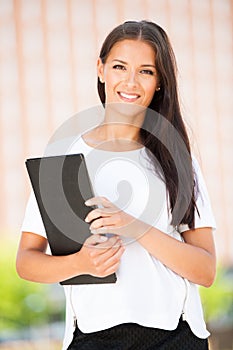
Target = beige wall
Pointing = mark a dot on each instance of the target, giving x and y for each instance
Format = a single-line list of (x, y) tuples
[(48, 54)]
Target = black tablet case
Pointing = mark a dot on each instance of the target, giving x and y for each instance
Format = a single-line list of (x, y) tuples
[(69, 172)]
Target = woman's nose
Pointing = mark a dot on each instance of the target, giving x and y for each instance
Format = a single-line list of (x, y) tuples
[(131, 78)]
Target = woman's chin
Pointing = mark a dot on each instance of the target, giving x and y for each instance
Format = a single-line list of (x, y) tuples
[(125, 109)]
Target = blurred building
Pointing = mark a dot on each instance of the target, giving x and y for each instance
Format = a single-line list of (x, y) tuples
[(48, 56)]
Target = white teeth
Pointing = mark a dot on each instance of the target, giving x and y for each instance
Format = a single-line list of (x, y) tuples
[(128, 96)]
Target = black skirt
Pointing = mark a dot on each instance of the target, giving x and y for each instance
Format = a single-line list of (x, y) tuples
[(131, 336)]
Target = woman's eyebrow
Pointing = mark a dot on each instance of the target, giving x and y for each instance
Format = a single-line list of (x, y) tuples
[(142, 65), (148, 65), (119, 61)]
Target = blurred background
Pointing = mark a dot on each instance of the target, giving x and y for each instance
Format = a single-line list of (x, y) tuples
[(48, 54)]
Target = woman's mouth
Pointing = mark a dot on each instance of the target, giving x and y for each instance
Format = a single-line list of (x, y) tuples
[(126, 97)]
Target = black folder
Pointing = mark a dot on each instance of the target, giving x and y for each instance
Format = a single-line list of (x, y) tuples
[(61, 185)]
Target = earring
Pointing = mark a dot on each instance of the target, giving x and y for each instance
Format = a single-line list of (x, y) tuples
[(158, 88), (101, 80)]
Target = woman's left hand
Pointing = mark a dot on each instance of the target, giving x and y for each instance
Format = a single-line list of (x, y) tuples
[(111, 219)]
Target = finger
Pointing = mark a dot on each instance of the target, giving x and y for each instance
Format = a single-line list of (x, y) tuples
[(114, 257), (98, 201), (114, 262), (113, 242), (95, 239), (109, 257), (103, 212), (109, 270), (112, 269), (102, 222), (104, 246), (104, 230), (93, 214)]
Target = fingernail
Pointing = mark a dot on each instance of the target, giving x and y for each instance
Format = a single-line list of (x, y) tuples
[(103, 238), (86, 219), (88, 202)]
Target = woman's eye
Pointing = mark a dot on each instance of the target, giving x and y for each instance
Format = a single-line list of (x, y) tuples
[(147, 71), (119, 66)]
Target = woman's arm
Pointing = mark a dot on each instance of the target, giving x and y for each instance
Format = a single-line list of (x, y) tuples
[(99, 257), (193, 259)]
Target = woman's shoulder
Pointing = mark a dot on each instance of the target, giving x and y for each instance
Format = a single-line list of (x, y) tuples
[(66, 145)]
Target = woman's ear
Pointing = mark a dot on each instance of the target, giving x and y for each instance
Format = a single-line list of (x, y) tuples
[(100, 70)]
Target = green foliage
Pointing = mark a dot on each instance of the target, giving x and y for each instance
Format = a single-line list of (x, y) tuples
[(218, 299), (23, 303)]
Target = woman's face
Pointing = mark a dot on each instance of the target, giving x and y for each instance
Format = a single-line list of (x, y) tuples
[(129, 73)]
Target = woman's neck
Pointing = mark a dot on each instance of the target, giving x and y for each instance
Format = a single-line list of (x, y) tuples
[(120, 129), (114, 137), (123, 121)]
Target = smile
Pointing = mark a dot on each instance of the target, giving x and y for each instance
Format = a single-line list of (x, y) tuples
[(128, 97)]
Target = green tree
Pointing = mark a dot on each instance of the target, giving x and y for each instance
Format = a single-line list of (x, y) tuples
[(23, 303), (218, 299)]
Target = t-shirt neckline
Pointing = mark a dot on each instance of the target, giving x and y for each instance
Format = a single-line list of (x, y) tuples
[(106, 151)]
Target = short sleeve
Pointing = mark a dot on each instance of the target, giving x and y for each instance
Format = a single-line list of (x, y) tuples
[(205, 218), (32, 219)]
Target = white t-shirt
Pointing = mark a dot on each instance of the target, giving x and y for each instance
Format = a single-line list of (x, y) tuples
[(146, 292)]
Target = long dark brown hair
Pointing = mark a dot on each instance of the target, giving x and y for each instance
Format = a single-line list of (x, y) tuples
[(169, 149)]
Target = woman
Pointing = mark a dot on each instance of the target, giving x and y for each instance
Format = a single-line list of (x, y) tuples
[(158, 252)]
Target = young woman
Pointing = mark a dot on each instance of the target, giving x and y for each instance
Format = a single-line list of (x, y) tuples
[(159, 241)]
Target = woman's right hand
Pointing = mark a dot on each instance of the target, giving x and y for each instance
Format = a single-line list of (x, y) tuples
[(100, 256), (96, 257)]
